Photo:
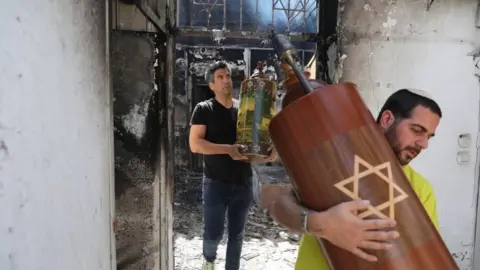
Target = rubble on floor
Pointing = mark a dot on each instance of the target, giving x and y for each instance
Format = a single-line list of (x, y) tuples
[(267, 245)]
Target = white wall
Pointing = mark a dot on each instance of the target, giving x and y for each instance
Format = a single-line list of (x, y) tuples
[(55, 136), (393, 46)]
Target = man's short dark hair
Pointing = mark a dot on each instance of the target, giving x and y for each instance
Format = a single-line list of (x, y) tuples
[(214, 67), (402, 103)]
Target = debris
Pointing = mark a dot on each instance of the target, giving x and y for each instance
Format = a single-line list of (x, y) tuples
[(267, 245)]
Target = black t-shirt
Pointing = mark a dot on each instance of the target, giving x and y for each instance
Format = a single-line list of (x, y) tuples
[(221, 125)]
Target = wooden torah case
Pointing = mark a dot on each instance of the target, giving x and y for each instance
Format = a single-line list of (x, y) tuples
[(334, 152)]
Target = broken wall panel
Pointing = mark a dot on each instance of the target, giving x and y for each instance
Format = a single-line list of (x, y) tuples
[(136, 126)]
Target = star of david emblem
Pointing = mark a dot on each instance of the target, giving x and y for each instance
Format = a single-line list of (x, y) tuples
[(392, 187)]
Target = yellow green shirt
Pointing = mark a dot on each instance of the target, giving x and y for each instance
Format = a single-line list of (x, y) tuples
[(310, 256)]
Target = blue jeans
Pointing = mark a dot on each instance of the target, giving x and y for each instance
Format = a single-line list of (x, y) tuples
[(220, 198)]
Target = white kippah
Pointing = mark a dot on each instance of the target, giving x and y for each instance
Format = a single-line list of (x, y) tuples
[(420, 92)]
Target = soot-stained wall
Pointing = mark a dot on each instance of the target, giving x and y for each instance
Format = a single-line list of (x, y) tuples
[(134, 64)]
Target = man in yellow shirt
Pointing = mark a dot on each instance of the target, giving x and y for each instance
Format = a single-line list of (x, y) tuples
[(408, 119)]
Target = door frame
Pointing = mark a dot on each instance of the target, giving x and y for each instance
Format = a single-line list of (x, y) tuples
[(111, 139), (476, 234)]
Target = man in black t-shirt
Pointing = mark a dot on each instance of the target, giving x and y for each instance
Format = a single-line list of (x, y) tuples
[(227, 188)]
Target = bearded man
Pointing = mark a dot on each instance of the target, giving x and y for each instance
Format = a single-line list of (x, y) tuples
[(408, 120)]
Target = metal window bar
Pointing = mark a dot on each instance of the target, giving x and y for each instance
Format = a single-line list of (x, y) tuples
[(292, 11), (205, 16)]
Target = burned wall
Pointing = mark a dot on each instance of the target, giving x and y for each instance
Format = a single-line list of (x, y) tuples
[(55, 136), (134, 65)]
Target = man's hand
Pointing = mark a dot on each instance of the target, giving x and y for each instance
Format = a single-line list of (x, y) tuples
[(342, 227), (235, 153), (273, 154)]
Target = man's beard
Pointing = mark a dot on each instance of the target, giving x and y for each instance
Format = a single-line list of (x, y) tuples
[(392, 138)]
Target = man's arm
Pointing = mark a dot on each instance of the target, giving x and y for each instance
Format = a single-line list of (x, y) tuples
[(197, 142), (199, 145), (286, 210), (339, 225)]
